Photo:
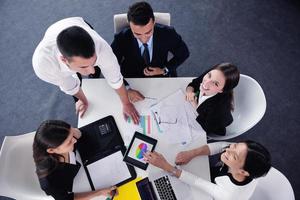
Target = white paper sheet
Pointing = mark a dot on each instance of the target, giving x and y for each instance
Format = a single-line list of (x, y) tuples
[(108, 171), (171, 118)]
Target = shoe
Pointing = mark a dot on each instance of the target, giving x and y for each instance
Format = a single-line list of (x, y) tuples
[(96, 74)]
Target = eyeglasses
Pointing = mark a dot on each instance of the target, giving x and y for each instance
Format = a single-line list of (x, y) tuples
[(159, 121)]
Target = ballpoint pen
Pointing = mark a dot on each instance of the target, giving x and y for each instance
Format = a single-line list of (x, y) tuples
[(114, 194), (151, 98)]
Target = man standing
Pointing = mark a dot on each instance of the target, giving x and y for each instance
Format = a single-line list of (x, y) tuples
[(142, 49), (71, 48)]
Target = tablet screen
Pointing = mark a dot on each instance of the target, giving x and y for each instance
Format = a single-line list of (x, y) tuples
[(139, 145), (138, 148)]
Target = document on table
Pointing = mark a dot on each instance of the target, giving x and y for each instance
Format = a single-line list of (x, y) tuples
[(108, 171), (171, 116)]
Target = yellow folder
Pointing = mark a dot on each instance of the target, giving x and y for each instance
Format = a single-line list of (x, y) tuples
[(128, 191)]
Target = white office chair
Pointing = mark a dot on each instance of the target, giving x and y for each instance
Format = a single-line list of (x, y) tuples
[(18, 179), (274, 186), (120, 20), (249, 108)]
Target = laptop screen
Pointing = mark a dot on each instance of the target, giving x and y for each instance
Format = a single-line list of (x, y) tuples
[(146, 190)]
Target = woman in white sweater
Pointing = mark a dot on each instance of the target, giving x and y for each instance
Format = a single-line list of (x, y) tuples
[(241, 164)]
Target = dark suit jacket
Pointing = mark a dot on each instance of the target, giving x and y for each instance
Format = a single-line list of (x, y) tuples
[(215, 112), (165, 39), (59, 183)]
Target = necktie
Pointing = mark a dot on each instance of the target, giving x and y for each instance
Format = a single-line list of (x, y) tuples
[(146, 55)]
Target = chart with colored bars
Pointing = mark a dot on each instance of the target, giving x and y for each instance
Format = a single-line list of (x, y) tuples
[(140, 150), (145, 123)]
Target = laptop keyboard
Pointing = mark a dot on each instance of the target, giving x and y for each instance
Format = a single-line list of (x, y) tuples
[(164, 188)]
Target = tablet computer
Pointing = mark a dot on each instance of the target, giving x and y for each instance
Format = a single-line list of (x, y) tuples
[(139, 145)]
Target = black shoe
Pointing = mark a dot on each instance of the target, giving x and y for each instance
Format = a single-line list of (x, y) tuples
[(96, 74)]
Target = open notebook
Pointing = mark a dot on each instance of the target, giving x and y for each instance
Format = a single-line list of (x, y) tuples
[(101, 149)]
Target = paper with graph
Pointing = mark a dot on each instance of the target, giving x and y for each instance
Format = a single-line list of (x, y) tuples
[(172, 116)]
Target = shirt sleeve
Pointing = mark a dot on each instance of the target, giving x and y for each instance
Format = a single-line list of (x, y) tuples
[(109, 64), (46, 68), (214, 190), (217, 147)]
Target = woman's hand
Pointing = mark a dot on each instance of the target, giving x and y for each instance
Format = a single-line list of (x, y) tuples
[(77, 133), (184, 157), (157, 160), (108, 192), (190, 94)]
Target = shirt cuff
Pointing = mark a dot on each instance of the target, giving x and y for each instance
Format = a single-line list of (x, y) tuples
[(217, 147), (73, 90), (188, 178)]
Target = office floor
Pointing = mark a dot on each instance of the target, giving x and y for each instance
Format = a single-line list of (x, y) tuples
[(261, 37)]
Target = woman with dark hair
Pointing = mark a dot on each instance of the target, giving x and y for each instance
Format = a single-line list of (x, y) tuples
[(235, 178), (212, 95), (55, 160)]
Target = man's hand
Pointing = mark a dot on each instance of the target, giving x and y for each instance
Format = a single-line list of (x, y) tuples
[(153, 71), (130, 111), (135, 95), (80, 108)]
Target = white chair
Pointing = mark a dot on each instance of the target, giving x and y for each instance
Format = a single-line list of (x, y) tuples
[(120, 20), (249, 107), (274, 186), (18, 179)]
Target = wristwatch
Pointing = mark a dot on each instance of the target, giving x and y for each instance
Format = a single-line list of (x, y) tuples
[(174, 170), (166, 71)]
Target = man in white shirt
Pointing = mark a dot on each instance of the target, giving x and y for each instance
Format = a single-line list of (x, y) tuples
[(71, 46)]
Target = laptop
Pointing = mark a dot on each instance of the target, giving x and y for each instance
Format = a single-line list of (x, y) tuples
[(163, 187)]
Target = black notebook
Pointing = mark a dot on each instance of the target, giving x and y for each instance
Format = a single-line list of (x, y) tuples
[(101, 149)]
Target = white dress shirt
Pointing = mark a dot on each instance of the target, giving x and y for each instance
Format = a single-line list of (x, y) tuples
[(224, 188), (49, 67), (202, 98)]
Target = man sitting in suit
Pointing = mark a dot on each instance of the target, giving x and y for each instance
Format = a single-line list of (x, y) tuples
[(142, 49)]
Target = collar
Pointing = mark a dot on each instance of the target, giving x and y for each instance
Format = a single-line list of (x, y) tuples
[(244, 182), (207, 96), (149, 42)]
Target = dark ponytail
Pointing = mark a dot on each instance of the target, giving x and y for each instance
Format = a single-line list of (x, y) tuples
[(232, 77), (258, 159), (50, 134)]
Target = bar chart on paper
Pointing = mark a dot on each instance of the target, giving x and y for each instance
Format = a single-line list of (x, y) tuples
[(145, 123)]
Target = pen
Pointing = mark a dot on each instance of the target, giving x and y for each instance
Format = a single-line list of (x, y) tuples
[(151, 98), (113, 195)]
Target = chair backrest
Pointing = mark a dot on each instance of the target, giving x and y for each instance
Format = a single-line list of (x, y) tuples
[(120, 20), (249, 107), (274, 186), (18, 179)]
